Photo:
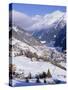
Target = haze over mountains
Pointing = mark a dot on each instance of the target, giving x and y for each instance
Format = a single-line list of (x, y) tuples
[(37, 22), (45, 28)]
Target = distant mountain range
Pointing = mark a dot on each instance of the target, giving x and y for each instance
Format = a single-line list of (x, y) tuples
[(46, 29), (52, 34)]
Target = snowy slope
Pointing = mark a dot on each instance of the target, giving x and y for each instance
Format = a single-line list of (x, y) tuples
[(21, 40), (36, 67)]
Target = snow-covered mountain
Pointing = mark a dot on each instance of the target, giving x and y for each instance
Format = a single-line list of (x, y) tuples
[(22, 41), (49, 33), (43, 27), (36, 22), (23, 36)]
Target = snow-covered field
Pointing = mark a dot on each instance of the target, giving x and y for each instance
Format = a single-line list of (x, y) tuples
[(25, 64)]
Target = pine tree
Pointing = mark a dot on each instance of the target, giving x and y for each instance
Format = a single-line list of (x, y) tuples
[(49, 74), (29, 76)]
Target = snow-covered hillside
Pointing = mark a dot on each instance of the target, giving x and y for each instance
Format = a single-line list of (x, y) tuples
[(22, 42), (25, 64), (29, 55)]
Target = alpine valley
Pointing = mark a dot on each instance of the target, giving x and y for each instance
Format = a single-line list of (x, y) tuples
[(37, 46)]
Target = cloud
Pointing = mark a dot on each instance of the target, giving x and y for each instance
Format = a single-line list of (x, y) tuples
[(21, 19), (35, 22)]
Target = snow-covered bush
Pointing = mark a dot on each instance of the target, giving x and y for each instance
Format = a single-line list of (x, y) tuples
[(37, 80), (42, 75), (44, 80), (27, 79)]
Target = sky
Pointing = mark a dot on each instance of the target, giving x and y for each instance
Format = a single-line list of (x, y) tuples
[(32, 9)]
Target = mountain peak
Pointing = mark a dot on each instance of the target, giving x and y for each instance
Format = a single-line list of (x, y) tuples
[(57, 12), (36, 22)]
